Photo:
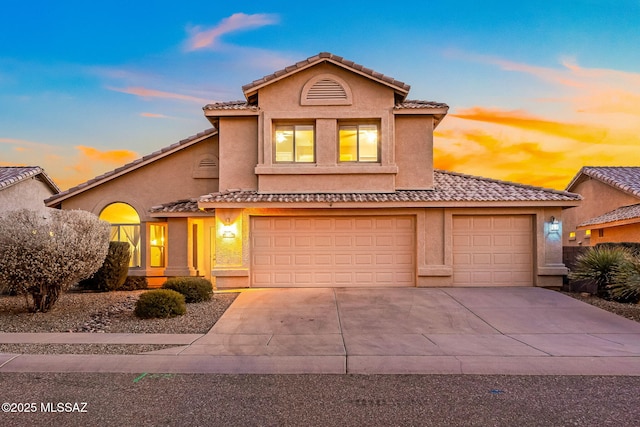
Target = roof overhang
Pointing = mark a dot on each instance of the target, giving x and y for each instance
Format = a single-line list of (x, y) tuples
[(251, 90), (130, 167)]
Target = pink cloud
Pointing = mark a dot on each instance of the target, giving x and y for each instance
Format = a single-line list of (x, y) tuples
[(154, 115), (237, 22), (153, 93)]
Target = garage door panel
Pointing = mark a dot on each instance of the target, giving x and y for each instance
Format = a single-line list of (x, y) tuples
[(333, 251), (493, 250)]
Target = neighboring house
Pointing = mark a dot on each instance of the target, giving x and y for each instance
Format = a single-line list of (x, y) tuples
[(610, 210), (324, 176), (24, 187)]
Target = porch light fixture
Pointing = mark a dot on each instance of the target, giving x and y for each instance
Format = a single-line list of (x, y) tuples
[(227, 232), (554, 225)]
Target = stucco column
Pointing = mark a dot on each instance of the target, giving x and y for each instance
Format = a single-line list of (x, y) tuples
[(178, 248)]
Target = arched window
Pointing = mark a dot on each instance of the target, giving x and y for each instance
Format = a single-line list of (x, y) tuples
[(125, 227)]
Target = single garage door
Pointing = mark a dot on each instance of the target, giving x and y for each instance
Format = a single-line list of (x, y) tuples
[(332, 251), (493, 250)]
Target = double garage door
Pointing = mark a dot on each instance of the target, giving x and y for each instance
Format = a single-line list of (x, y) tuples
[(488, 250), (493, 250), (333, 251)]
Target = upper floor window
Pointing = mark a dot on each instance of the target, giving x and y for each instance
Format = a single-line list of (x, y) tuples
[(359, 143), (295, 143)]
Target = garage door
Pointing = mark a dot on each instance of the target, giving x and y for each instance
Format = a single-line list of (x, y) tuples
[(493, 250), (332, 251)]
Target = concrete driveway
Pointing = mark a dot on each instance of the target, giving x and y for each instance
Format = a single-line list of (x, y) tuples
[(510, 331), (418, 330)]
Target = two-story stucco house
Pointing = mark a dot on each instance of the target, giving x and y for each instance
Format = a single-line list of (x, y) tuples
[(324, 176)]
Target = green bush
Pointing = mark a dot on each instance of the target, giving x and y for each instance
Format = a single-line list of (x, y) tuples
[(134, 283), (160, 303), (113, 272), (194, 289), (625, 286), (632, 247), (599, 265)]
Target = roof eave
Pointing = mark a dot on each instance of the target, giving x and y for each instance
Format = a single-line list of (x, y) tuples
[(207, 205), (251, 90), (136, 164), (609, 224)]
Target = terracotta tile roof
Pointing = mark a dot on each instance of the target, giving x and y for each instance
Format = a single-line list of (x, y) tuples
[(621, 214), (326, 56), (449, 187), (624, 178), (230, 105), (186, 205), (130, 166), (413, 104), (10, 175)]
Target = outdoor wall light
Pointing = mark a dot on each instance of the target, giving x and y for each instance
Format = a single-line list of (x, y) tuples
[(227, 231), (554, 225)]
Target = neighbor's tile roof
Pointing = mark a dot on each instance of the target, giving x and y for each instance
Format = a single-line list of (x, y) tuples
[(448, 187), (624, 178), (10, 175), (131, 166), (620, 214), (324, 56)]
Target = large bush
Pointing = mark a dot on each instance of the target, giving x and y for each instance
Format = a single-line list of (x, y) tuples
[(160, 303), (626, 281), (113, 272), (44, 253), (599, 264), (134, 283), (194, 289)]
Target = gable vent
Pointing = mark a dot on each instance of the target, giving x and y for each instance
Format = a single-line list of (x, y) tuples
[(208, 163), (326, 89)]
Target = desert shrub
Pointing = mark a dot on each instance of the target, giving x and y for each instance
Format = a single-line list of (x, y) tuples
[(133, 283), (160, 303), (194, 289), (625, 286), (44, 253), (599, 264), (632, 247), (113, 272)]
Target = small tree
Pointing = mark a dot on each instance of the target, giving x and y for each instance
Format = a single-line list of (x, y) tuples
[(45, 253)]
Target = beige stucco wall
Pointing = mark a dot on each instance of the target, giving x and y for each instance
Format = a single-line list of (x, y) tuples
[(434, 247), (166, 180), (238, 153), (26, 194), (598, 199), (414, 152)]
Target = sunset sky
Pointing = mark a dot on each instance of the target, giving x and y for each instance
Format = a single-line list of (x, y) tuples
[(536, 89)]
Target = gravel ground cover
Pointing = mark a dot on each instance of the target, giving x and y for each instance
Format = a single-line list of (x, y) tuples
[(630, 311), (103, 312), (112, 312)]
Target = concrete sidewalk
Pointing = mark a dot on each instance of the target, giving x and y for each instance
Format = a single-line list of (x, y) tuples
[(517, 331)]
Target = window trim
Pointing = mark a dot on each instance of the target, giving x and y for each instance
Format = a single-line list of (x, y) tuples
[(293, 124), (357, 124)]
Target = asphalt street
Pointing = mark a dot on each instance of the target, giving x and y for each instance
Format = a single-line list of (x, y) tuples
[(106, 399)]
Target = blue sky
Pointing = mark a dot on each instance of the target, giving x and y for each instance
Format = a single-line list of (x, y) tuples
[(536, 89)]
